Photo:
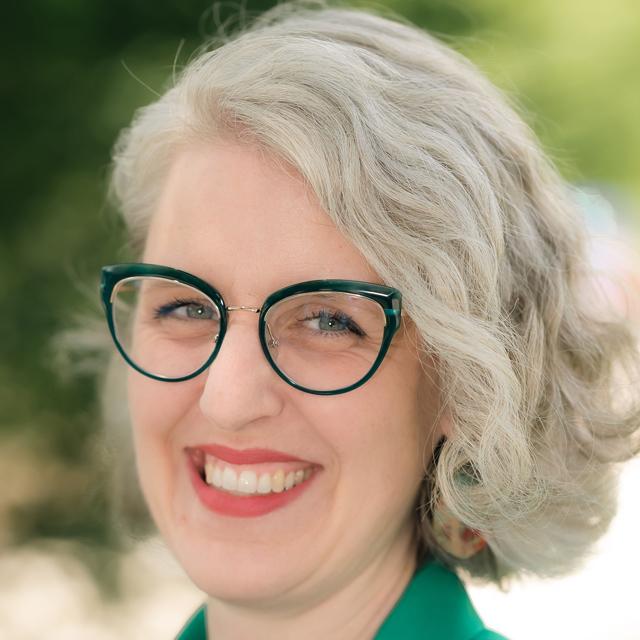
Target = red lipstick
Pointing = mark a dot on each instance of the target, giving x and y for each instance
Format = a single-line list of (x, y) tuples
[(246, 456), (241, 506)]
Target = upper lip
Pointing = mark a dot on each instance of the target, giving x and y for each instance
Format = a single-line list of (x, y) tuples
[(246, 456)]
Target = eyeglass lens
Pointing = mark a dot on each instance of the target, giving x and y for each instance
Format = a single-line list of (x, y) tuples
[(322, 341)]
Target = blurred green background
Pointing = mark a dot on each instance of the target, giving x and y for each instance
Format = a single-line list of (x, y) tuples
[(75, 72)]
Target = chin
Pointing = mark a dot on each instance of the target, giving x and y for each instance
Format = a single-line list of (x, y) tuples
[(226, 572), (253, 559), (227, 565)]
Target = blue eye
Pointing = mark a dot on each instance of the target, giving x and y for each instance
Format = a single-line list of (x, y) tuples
[(186, 310), (333, 322)]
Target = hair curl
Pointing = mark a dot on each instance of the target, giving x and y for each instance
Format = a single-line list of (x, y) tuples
[(424, 166)]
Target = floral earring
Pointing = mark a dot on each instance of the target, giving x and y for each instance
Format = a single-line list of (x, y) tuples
[(453, 536)]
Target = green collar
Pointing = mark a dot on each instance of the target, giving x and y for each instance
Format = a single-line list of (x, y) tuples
[(196, 627), (434, 606)]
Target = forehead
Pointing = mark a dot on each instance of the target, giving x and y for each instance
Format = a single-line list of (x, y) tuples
[(247, 222)]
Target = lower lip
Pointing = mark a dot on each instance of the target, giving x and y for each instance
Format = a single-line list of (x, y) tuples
[(228, 504)]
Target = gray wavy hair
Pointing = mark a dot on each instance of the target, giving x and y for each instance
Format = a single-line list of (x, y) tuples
[(424, 166)]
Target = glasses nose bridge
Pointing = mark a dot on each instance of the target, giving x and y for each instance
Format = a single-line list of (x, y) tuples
[(273, 341), (244, 308)]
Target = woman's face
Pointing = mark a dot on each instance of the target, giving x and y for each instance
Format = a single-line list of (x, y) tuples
[(247, 224)]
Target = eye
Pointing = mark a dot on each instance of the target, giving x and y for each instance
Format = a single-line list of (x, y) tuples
[(332, 322), (183, 309)]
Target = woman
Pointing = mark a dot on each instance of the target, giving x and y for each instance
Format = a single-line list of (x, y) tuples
[(360, 357)]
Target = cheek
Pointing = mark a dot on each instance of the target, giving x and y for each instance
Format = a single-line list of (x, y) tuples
[(156, 407), (379, 434), (397, 425), (156, 411)]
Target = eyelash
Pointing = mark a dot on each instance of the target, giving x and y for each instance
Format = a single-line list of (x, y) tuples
[(164, 310), (340, 317)]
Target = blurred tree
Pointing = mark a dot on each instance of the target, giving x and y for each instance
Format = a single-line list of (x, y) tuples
[(573, 67), (76, 72)]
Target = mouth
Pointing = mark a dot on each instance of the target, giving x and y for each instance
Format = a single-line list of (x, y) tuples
[(247, 483)]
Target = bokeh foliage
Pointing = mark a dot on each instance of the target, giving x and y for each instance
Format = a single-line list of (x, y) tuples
[(76, 71)]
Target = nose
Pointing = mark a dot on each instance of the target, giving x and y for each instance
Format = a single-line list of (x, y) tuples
[(241, 387)]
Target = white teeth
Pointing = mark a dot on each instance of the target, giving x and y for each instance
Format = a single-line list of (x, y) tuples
[(229, 479), (264, 484), (277, 481), (288, 481), (217, 477), (247, 482)]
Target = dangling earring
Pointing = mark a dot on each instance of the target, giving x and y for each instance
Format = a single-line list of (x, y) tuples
[(453, 536)]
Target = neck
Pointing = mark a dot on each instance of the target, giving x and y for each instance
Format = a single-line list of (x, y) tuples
[(354, 612)]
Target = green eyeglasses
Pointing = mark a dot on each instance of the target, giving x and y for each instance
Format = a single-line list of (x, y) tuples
[(323, 336)]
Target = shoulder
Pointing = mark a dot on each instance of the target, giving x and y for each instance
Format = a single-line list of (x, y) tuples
[(434, 605)]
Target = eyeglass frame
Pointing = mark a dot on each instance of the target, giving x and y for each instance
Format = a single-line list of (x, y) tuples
[(389, 298)]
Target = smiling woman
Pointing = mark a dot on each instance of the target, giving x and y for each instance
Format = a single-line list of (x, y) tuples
[(244, 423), (359, 357)]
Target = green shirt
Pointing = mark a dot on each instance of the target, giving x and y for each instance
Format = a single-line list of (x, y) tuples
[(434, 606)]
